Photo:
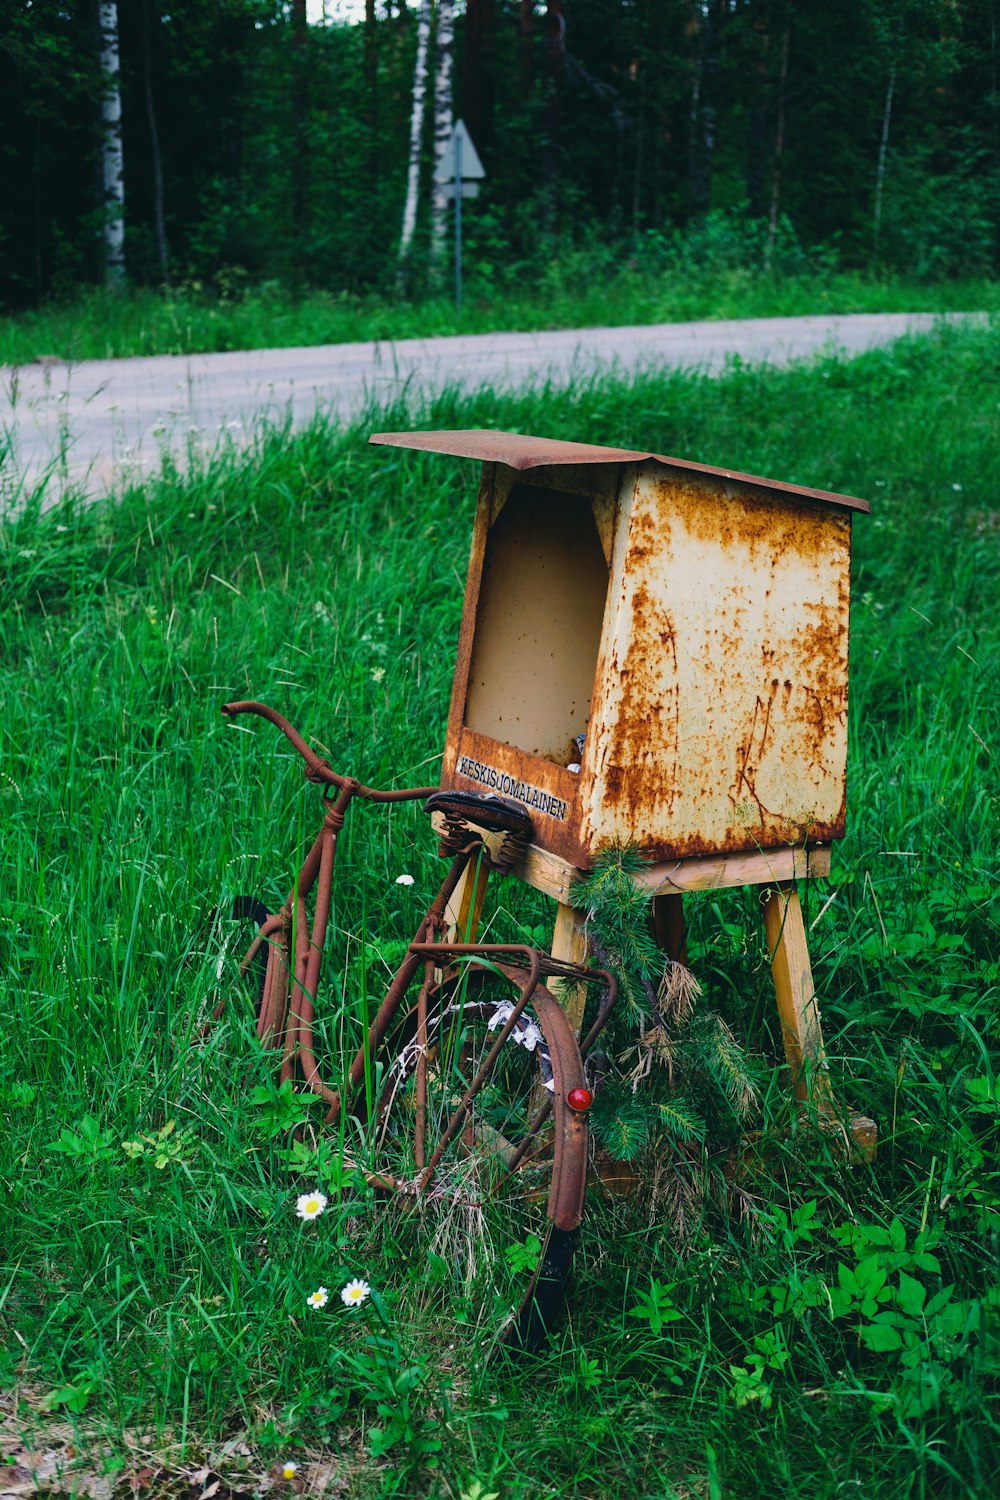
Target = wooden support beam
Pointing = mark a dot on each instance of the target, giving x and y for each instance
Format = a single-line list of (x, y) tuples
[(795, 992), (569, 944), (556, 877), (465, 908), (801, 1032)]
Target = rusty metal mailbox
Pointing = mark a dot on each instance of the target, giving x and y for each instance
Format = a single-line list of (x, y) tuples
[(655, 651), (651, 650)]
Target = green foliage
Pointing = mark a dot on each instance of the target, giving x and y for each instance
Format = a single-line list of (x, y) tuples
[(88, 1142), (172, 1301), (383, 1376), (686, 1077), (587, 286), (272, 153), (617, 911), (279, 1108), (164, 1146), (655, 1307)]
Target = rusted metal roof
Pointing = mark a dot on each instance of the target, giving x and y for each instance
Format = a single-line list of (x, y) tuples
[(519, 451)]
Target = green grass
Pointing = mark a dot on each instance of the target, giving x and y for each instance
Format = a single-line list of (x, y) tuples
[(576, 291), (159, 1313)]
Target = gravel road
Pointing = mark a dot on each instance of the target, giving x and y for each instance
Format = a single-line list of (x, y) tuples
[(95, 423)]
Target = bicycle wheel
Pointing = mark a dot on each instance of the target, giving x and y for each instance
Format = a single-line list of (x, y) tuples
[(484, 1140)]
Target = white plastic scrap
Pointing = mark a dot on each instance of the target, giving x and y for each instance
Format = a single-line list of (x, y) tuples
[(530, 1037)]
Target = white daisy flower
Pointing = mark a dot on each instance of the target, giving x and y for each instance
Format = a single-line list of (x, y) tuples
[(319, 1298), (289, 1470), (354, 1293), (404, 879), (310, 1205)]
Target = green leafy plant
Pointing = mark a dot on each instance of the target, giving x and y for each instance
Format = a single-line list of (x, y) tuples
[(923, 1336), (87, 1142), (393, 1380), (279, 1108), (166, 1146), (656, 1307), (522, 1257), (74, 1395)]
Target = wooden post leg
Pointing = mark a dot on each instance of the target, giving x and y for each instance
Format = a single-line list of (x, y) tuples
[(796, 995), (465, 908), (669, 926), (799, 1015), (569, 943)]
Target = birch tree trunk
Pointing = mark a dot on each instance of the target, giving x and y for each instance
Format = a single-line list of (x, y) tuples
[(442, 123), (416, 130), (112, 164)]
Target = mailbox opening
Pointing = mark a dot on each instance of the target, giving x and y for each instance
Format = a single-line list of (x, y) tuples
[(538, 624)]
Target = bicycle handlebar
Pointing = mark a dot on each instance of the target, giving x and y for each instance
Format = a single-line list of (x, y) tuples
[(317, 769)]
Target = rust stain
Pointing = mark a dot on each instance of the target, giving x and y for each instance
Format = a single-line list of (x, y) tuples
[(737, 616), (718, 717)]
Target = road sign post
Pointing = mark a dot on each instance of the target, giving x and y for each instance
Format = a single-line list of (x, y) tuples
[(460, 168)]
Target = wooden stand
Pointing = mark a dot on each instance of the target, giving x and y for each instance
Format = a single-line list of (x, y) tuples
[(775, 872)]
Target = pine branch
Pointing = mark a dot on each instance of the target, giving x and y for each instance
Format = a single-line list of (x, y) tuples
[(680, 1119), (618, 929)]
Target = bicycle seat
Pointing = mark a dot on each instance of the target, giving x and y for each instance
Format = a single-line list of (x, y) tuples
[(482, 812)]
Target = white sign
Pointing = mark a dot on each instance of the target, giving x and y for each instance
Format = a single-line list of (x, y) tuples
[(461, 150)]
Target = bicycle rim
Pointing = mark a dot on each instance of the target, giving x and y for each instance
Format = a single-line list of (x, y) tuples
[(489, 1197)]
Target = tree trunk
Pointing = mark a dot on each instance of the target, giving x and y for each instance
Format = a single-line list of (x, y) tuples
[(703, 105), (443, 123), (756, 167), (555, 51), (300, 143), (637, 74), (779, 145), (154, 147), (371, 95), (477, 92), (416, 131), (36, 213), (113, 172), (883, 147), (526, 46)]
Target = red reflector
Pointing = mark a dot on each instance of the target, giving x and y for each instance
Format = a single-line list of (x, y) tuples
[(579, 1099)]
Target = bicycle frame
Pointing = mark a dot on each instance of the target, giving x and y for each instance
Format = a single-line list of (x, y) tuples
[(287, 1011)]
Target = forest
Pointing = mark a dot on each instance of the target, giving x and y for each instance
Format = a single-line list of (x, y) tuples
[(254, 147)]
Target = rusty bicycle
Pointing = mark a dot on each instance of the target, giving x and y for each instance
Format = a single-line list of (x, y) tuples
[(469, 1088)]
